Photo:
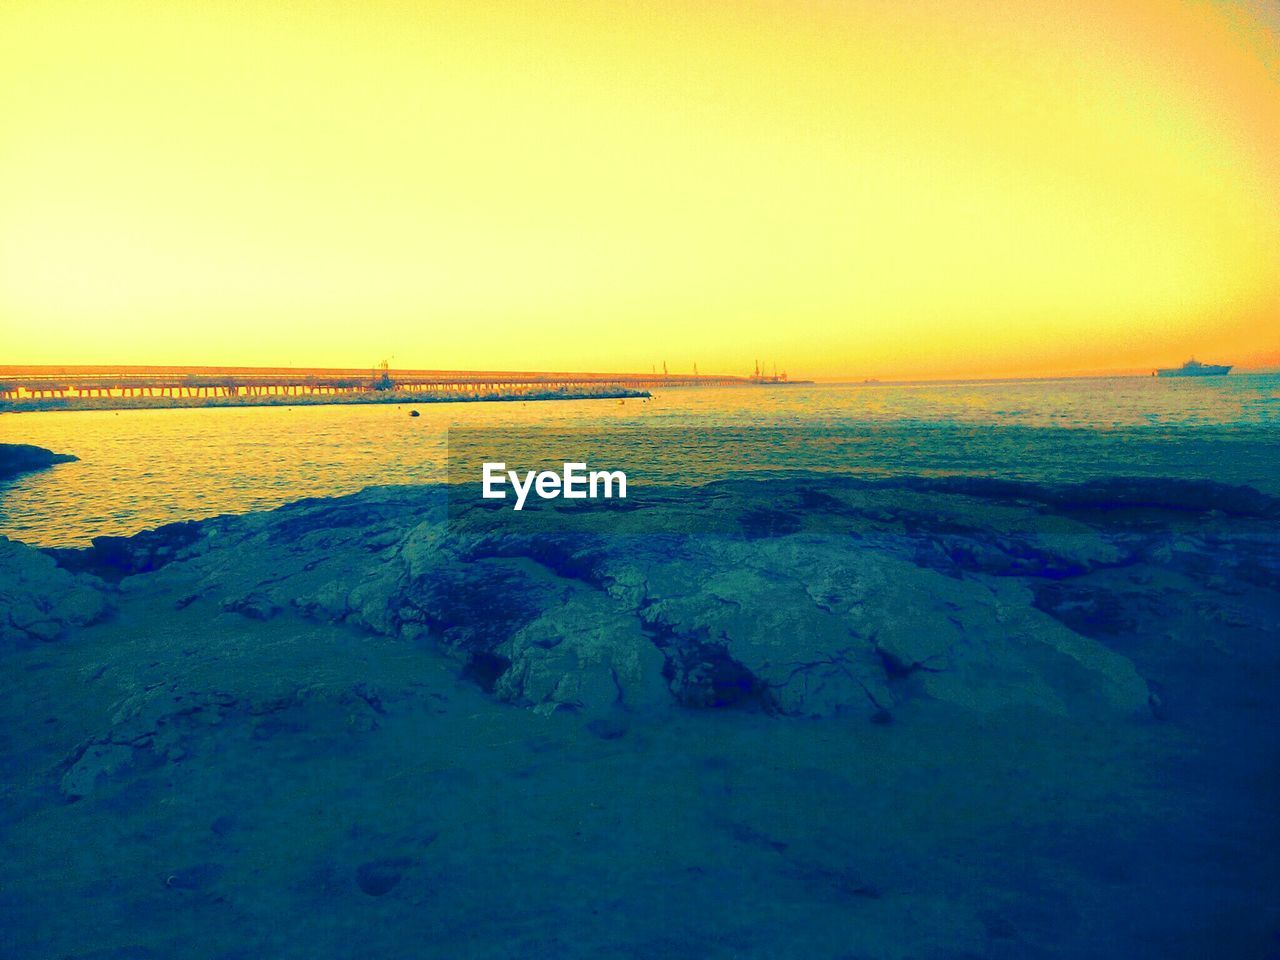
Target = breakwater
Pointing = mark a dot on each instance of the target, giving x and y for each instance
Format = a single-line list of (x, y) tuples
[(94, 387)]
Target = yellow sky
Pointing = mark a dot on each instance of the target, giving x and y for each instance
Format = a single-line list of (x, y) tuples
[(869, 188)]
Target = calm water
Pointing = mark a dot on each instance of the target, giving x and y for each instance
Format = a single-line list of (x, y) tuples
[(140, 468)]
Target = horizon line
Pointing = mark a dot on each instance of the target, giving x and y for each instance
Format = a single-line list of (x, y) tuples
[(10, 370)]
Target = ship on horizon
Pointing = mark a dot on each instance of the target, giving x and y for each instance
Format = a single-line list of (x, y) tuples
[(1194, 368)]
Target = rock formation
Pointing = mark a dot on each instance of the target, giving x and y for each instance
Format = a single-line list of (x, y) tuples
[(453, 678), (16, 458)]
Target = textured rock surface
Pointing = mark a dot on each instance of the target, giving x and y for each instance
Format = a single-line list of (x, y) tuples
[(16, 458), (862, 601), (926, 718), (39, 601)]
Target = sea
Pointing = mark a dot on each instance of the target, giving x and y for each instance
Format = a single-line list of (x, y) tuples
[(138, 469)]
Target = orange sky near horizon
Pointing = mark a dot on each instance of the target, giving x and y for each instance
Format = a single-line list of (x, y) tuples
[(869, 188)]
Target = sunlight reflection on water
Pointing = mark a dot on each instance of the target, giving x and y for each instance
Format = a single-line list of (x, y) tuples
[(140, 468)]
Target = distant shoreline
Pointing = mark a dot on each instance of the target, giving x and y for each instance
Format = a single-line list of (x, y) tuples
[(304, 400)]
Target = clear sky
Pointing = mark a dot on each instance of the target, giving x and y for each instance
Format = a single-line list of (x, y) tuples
[(863, 188)]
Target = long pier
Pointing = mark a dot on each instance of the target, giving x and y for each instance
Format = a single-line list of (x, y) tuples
[(28, 383)]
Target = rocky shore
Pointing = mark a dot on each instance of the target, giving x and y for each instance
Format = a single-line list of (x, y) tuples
[(17, 458), (925, 718)]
